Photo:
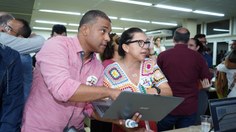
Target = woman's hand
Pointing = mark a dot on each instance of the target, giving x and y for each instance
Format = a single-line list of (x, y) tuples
[(151, 91)]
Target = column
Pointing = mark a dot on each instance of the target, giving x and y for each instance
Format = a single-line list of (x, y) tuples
[(191, 25)]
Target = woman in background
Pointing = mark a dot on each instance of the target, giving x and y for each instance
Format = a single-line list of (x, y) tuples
[(158, 48), (196, 45), (110, 53)]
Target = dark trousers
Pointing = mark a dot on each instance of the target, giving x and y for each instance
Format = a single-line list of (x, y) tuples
[(99, 126), (175, 121), (202, 105)]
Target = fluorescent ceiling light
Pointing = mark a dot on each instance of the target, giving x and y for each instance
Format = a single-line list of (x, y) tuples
[(49, 29), (117, 28), (173, 8), (60, 12), (42, 28), (220, 30), (73, 24), (208, 13), (134, 20), (113, 17), (141, 29), (152, 32), (144, 30), (72, 30), (134, 2), (118, 33), (50, 22), (164, 23)]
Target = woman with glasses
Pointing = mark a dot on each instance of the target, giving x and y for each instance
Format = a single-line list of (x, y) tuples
[(134, 72)]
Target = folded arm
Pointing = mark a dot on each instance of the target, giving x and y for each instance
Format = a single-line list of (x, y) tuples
[(22, 45)]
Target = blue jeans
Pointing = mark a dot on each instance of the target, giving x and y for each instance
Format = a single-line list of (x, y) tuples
[(175, 121), (27, 74)]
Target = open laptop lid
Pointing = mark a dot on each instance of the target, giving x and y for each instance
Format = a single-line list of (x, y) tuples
[(223, 113), (151, 107)]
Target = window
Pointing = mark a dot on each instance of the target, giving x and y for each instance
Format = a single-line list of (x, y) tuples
[(219, 27), (198, 28)]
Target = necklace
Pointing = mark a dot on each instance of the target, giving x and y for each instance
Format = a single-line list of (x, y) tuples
[(134, 75)]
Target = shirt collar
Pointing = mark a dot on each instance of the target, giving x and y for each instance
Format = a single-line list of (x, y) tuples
[(181, 46), (79, 48)]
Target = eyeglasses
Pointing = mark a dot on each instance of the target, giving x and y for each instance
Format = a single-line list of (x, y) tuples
[(9, 29), (141, 43)]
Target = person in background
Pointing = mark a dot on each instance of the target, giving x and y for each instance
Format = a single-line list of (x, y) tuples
[(228, 67), (21, 28), (11, 88), (110, 53), (158, 48), (67, 77), (232, 47), (134, 72), (205, 53), (58, 29), (183, 79), (23, 45), (231, 78), (197, 46)]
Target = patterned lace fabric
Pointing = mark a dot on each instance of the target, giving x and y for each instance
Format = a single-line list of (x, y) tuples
[(150, 74)]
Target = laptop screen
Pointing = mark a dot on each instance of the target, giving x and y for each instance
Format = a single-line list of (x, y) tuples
[(223, 112)]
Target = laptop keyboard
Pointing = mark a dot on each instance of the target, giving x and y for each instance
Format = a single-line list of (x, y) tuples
[(102, 108)]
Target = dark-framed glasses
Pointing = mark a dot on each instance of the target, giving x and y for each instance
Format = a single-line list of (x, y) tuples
[(141, 43)]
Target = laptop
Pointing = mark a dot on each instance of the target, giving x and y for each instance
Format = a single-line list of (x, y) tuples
[(223, 113), (151, 107)]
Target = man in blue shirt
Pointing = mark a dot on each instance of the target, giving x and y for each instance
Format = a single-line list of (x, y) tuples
[(11, 90), (206, 55), (21, 28)]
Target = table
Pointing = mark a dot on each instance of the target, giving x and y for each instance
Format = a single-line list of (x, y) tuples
[(187, 129)]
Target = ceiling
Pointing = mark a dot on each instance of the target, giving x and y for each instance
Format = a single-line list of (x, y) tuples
[(29, 10)]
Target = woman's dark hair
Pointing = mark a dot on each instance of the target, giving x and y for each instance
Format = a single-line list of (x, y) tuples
[(109, 50), (197, 36), (127, 36), (198, 43)]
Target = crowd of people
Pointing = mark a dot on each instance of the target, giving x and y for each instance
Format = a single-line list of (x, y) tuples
[(54, 90)]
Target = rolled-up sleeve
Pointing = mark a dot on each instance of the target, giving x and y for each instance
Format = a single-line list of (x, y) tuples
[(53, 61), (22, 45)]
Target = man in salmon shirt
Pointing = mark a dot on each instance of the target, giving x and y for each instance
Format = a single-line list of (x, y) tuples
[(67, 76)]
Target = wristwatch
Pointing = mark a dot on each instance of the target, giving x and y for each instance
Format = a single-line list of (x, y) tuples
[(158, 89)]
